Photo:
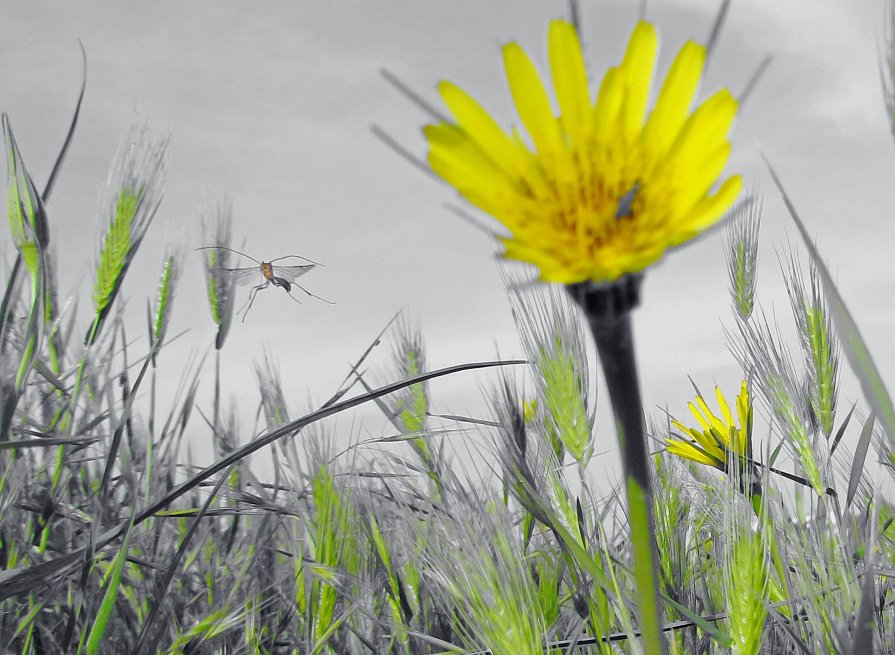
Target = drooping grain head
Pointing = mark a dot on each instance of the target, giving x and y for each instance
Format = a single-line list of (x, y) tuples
[(133, 196)]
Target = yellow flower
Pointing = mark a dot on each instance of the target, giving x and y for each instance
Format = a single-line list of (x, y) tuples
[(716, 438), (604, 190)]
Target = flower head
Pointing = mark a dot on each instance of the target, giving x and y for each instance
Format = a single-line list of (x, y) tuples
[(602, 190), (716, 438)]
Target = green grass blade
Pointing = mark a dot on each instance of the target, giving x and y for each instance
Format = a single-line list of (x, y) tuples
[(852, 343), (104, 615)]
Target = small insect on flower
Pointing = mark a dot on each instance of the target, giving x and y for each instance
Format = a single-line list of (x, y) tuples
[(279, 276)]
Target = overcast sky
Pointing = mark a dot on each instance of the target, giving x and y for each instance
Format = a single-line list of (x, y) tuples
[(272, 108)]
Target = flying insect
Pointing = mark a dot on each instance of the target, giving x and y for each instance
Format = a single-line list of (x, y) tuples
[(278, 276)]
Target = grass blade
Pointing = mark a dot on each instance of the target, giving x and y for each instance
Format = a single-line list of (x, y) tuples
[(857, 465), (841, 432), (852, 343), (21, 580), (98, 631), (165, 580), (51, 181)]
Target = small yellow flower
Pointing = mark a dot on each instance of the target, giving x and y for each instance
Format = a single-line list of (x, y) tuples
[(716, 438), (604, 190)]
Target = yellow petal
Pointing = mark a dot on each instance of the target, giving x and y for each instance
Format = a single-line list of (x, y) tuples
[(530, 98), (637, 67), (705, 129), (744, 409), (609, 102), (701, 176), (462, 164), (688, 451), (569, 78), (717, 423), (712, 208), (480, 127), (698, 415), (725, 408), (675, 98)]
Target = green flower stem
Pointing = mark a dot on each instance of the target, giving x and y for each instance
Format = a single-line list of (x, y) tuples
[(608, 312)]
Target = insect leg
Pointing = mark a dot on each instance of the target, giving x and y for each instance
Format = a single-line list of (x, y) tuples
[(251, 300), (296, 284), (289, 293)]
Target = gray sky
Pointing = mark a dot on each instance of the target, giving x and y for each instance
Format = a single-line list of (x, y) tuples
[(273, 108)]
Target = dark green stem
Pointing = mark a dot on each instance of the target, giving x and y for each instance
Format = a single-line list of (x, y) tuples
[(608, 311)]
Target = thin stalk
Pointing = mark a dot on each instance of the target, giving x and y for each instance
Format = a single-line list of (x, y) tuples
[(150, 441), (608, 311), (217, 403), (65, 418), (615, 346)]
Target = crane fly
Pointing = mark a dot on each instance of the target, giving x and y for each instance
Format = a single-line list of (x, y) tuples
[(279, 276)]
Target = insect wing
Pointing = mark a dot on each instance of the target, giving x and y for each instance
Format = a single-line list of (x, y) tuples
[(292, 273), (241, 276)]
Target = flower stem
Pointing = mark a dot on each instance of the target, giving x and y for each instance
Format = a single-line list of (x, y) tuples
[(608, 313)]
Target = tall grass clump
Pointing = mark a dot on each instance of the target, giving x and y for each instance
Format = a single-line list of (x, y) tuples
[(750, 520)]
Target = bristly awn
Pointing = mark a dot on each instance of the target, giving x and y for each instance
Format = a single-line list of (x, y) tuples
[(279, 276)]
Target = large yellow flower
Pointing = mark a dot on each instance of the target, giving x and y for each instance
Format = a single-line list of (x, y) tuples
[(604, 190), (716, 438)]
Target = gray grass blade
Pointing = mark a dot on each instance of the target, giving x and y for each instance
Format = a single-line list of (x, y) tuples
[(862, 641), (51, 181), (403, 152), (165, 580), (865, 621), (776, 453), (296, 425), (119, 431), (841, 431), (20, 580), (345, 386), (7, 298), (852, 343), (857, 465), (414, 97), (46, 443), (717, 25), (753, 81)]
